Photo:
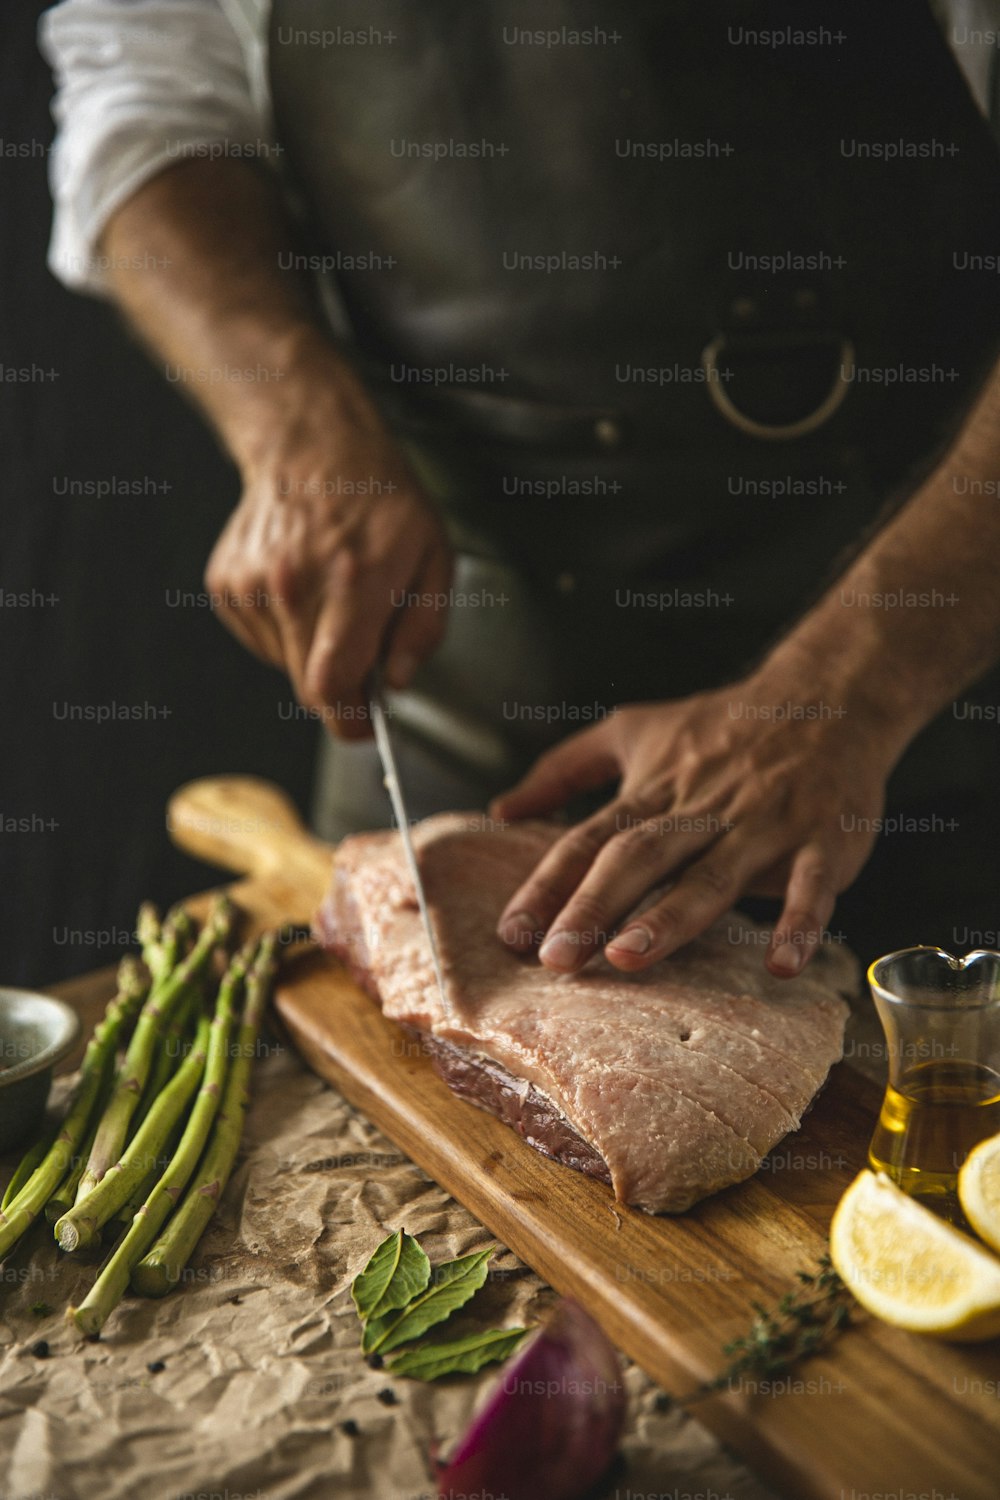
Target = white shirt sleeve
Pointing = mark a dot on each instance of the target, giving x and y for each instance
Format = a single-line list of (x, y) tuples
[(140, 84), (972, 28)]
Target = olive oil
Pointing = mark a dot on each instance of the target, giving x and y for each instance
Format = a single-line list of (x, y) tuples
[(929, 1122)]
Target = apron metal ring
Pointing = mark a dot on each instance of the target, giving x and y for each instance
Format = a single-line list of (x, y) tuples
[(769, 431)]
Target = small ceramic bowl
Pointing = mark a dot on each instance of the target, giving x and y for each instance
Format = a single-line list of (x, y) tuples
[(36, 1032)]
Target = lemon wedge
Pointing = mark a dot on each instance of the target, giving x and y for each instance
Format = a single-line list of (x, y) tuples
[(979, 1190), (909, 1267)]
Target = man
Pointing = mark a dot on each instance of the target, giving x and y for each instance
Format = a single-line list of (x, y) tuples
[(584, 289)]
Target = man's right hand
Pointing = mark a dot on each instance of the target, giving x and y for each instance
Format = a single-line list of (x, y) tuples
[(332, 537), (333, 557)]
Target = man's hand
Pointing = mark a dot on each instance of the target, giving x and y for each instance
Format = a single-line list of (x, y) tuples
[(726, 794), (332, 535), (331, 558)]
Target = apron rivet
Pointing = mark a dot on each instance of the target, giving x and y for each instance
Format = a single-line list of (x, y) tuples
[(608, 432)]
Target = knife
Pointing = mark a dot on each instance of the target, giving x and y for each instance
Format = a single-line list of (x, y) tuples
[(391, 781)]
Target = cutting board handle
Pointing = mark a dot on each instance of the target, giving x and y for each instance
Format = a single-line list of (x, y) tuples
[(248, 825)]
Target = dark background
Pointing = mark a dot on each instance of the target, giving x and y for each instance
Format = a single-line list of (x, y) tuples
[(82, 830), (111, 638)]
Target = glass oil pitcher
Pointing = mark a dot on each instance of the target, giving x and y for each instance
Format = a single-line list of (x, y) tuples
[(941, 1017)]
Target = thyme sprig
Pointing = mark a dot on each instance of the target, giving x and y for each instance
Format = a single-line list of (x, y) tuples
[(805, 1321)]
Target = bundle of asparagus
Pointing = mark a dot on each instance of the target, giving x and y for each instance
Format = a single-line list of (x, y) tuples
[(151, 1139)]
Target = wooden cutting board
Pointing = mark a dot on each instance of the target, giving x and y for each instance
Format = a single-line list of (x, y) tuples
[(881, 1412)]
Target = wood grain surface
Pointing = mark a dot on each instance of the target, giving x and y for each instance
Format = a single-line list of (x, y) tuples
[(882, 1412)]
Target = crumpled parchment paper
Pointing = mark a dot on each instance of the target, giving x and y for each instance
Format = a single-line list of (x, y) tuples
[(260, 1347)]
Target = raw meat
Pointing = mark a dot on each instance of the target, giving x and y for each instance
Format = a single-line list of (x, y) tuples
[(669, 1084)]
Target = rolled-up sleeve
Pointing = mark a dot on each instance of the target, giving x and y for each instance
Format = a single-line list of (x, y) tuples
[(140, 85)]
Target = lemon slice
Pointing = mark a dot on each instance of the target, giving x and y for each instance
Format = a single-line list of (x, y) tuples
[(979, 1190), (909, 1267)]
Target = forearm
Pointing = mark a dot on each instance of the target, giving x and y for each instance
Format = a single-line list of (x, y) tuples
[(196, 255), (916, 618), (332, 526)]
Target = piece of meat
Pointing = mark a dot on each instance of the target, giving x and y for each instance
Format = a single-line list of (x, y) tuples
[(669, 1084)]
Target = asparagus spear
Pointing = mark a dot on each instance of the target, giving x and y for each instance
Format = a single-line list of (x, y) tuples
[(163, 946), (23, 1209), (29, 1161), (128, 1210), (79, 1228), (160, 949), (132, 1076), (169, 1048), (150, 935), (63, 1198), (159, 1271), (166, 946), (110, 1286), (172, 1048)]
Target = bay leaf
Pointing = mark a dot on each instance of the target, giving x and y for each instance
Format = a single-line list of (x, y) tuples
[(397, 1271), (459, 1357), (452, 1284)]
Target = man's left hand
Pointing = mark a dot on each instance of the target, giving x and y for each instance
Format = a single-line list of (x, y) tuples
[(759, 789)]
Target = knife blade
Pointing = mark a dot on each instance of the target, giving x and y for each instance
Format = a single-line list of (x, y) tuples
[(393, 785)]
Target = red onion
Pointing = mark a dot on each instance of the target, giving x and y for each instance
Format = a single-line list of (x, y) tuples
[(551, 1424)]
